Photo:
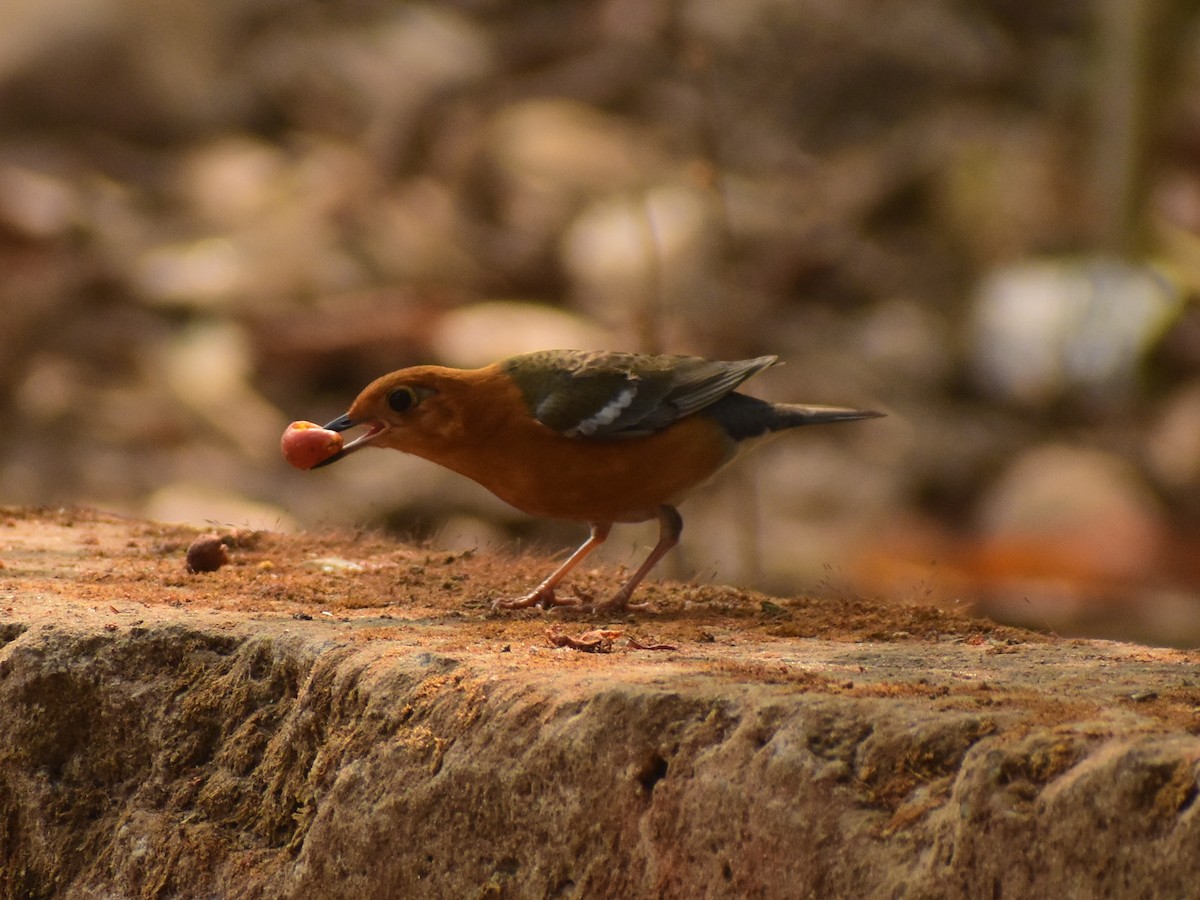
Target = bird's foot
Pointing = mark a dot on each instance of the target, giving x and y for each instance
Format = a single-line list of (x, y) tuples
[(542, 596), (619, 603)]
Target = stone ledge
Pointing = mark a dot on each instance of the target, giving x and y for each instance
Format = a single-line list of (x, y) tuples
[(174, 735)]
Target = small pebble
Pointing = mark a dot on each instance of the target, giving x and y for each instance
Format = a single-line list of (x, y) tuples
[(206, 554)]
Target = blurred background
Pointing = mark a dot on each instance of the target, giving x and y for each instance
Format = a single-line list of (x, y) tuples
[(217, 216)]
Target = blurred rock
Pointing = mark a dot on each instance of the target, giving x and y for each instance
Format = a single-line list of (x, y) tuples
[(1044, 331), (49, 387), (416, 234), (482, 333), (233, 180), (335, 346), (651, 254), (35, 204), (202, 505), (262, 227), (906, 343), (1071, 513), (136, 69), (38, 29), (195, 273), (207, 368), (1173, 444), (786, 515), (543, 159), (560, 147), (369, 77), (1002, 192), (611, 255)]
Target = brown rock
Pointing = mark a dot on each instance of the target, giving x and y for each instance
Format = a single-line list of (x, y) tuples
[(207, 553)]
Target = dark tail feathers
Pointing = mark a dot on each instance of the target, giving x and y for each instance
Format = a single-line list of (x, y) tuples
[(748, 417), (789, 415)]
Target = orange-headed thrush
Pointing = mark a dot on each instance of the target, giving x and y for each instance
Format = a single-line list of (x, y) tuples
[(594, 437)]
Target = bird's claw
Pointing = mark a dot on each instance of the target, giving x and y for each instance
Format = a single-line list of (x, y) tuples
[(620, 604), (546, 598), (543, 597)]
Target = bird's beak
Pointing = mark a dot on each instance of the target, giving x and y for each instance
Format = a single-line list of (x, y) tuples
[(375, 427)]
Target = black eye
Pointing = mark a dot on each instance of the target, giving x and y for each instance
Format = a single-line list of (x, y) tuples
[(402, 399)]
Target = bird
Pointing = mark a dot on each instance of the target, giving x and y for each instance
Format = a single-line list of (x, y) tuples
[(598, 437)]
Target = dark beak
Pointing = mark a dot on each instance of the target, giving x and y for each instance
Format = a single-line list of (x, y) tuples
[(341, 423), (345, 423)]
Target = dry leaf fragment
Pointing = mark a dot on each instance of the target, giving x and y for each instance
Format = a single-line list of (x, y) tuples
[(598, 640), (638, 645)]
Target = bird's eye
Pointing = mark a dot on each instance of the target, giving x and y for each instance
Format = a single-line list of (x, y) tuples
[(402, 399)]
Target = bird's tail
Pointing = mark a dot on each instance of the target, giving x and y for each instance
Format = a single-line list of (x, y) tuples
[(791, 415), (745, 417)]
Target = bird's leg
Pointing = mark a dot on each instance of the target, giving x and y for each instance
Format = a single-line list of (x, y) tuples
[(543, 594), (670, 527)]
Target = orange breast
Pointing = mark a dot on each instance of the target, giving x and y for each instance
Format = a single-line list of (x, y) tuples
[(543, 473), (599, 481)]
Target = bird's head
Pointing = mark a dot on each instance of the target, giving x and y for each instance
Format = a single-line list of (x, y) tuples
[(405, 410)]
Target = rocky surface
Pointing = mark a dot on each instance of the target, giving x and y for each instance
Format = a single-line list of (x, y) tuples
[(340, 715)]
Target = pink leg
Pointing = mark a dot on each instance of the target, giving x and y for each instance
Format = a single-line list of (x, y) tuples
[(543, 594), (670, 527)]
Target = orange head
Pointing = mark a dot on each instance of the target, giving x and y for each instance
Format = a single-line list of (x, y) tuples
[(425, 410)]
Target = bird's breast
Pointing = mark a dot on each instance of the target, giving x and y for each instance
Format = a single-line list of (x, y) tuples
[(544, 473)]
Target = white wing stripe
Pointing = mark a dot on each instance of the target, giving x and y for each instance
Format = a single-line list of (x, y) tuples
[(607, 414)]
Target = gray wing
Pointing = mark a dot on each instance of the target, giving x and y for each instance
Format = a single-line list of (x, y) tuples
[(609, 395)]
